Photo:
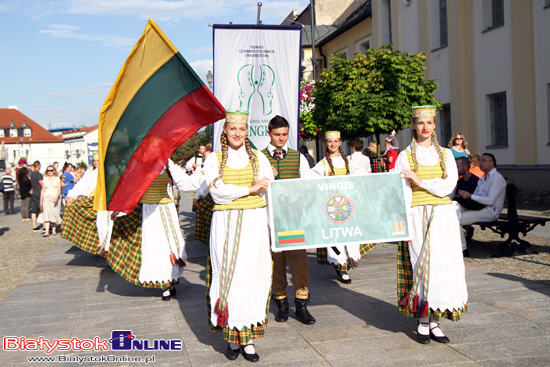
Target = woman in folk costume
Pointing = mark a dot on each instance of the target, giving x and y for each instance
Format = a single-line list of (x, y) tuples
[(147, 247), (86, 228), (239, 265), (335, 163), (430, 273)]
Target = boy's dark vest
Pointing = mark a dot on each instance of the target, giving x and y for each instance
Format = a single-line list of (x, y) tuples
[(288, 167)]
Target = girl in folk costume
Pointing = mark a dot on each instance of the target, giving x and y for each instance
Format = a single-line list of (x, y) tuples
[(335, 163), (147, 247), (430, 271), (239, 265), (86, 228)]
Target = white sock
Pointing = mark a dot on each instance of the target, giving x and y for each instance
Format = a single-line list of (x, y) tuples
[(345, 275), (249, 349), (166, 293), (234, 346), (423, 326), (435, 329)]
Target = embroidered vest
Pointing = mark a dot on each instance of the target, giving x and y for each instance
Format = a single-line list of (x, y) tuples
[(157, 193), (288, 167), (423, 197), (240, 177)]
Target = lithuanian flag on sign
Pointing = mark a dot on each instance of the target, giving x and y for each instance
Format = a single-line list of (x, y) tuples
[(290, 237), (156, 103)]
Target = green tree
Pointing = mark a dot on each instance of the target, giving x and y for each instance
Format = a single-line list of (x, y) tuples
[(372, 93)]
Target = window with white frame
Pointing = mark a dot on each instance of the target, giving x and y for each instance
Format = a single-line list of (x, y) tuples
[(27, 132), (13, 133), (363, 45), (499, 119), (1, 133)]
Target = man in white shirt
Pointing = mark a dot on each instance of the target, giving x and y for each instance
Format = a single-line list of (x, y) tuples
[(357, 155), (490, 191)]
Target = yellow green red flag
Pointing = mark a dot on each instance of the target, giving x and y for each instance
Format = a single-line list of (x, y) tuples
[(156, 103)]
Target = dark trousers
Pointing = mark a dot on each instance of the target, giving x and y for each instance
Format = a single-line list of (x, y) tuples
[(9, 198), (299, 269)]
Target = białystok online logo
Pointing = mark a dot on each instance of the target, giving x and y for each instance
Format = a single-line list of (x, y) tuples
[(120, 340)]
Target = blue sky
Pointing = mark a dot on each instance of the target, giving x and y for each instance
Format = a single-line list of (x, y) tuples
[(59, 59)]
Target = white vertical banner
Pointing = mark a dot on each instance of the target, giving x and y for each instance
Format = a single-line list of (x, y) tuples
[(257, 69)]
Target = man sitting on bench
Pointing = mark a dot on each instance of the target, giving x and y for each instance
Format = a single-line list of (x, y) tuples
[(490, 191)]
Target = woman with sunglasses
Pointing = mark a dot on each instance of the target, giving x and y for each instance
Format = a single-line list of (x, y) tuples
[(459, 146), (49, 201)]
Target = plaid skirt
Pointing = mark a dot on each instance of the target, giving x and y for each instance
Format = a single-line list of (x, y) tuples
[(404, 285), (80, 225), (234, 336), (322, 256), (124, 255), (205, 209)]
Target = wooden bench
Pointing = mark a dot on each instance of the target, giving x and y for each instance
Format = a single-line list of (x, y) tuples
[(511, 224)]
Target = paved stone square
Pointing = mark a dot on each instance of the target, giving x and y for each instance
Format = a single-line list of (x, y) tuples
[(50, 288)]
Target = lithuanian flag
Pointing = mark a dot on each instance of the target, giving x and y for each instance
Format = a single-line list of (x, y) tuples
[(156, 103)]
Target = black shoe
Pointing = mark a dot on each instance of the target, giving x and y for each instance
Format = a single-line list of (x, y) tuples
[(282, 309), (465, 253), (165, 298), (173, 292), (469, 233), (250, 357), (340, 276), (440, 339), (302, 314), (423, 338), (231, 353)]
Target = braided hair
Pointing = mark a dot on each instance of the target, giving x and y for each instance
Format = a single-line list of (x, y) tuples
[(438, 149), (251, 156), (329, 161)]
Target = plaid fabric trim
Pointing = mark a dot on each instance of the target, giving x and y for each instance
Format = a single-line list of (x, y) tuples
[(322, 256), (405, 282), (124, 255), (205, 209), (235, 336), (79, 225)]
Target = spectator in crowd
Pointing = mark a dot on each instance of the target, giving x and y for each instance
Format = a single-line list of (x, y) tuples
[(474, 165), (357, 154), (372, 153), (9, 192), (67, 180), (37, 182), (197, 160), (459, 146), (56, 166), (25, 189), (390, 155), (490, 191), (305, 152), (49, 201), (394, 141)]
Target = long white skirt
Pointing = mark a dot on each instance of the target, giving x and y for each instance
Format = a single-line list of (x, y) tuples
[(447, 282), (352, 250), (159, 241), (251, 282)]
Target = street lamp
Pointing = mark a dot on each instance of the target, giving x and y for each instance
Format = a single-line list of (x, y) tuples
[(209, 78)]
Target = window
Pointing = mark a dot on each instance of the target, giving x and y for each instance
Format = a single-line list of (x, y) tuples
[(363, 45), (1, 133), (27, 132), (499, 119), (446, 128), (13, 133), (546, 4), (443, 36), (498, 12)]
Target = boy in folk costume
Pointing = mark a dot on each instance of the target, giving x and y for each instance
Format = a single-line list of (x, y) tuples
[(335, 163), (430, 269), (289, 164), (239, 263)]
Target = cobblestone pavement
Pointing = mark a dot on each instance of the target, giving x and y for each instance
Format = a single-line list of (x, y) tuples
[(22, 249)]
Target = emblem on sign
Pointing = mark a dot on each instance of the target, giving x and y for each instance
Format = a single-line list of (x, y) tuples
[(338, 208)]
